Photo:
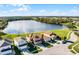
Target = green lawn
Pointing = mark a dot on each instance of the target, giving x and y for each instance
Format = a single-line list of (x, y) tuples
[(11, 36), (70, 46), (72, 51), (62, 33), (76, 48), (66, 23), (77, 27)]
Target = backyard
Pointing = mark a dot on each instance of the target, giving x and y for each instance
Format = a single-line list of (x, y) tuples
[(62, 33)]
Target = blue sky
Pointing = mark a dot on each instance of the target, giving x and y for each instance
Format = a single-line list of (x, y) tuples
[(39, 10)]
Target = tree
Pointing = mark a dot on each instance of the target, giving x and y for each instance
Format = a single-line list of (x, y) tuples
[(3, 24)]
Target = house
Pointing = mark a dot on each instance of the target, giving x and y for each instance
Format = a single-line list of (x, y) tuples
[(21, 44), (48, 36), (6, 47), (37, 38)]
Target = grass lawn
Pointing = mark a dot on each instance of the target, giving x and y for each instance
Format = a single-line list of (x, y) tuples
[(76, 48), (38, 49), (62, 33), (72, 51), (70, 46), (77, 27), (11, 36), (66, 23)]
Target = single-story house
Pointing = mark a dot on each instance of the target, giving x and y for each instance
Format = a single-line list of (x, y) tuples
[(48, 36), (37, 38), (21, 44), (6, 47)]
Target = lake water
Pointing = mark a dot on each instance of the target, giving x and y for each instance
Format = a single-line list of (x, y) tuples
[(29, 26)]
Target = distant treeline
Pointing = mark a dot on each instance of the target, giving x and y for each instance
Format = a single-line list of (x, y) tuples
[(15, 18), (49, 19), (56, 20), (3, 24), (40, 18)]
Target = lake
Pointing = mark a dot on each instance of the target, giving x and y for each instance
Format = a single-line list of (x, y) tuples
[(29, 26)]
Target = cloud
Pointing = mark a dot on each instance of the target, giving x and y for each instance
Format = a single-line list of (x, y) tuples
[(22, 8), (15, 10), (72, 12), (43, 10)]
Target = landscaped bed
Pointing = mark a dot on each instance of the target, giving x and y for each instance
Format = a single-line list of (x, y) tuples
[(48, 45), (17, 51), (33, 48)]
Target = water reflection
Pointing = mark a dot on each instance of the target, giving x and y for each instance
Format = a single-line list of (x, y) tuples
[(28, 26)]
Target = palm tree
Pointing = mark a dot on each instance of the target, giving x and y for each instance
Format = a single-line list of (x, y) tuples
[(31, 38)]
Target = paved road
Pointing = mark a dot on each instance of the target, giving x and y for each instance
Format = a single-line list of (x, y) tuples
[(73, 37), (60, 49)]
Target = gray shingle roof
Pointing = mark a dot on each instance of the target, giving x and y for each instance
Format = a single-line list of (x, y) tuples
[(5, 44)]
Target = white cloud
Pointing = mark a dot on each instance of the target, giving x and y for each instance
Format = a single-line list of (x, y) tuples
[(4, 12), (18, 8), (14, 5), (72, 12), (22, 8), (43, 10)]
